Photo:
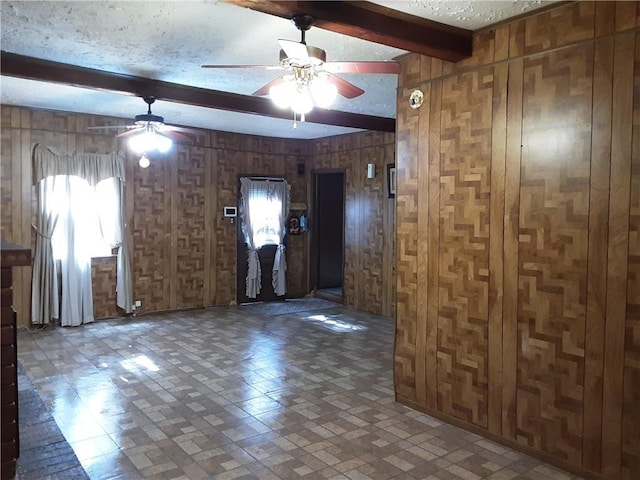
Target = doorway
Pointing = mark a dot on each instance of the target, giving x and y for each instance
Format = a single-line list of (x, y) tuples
[(267, 234), (327, 239)]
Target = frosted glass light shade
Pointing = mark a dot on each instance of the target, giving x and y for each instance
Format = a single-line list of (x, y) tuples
[(323, 92), (144, 161), (149, 141), (301, 101)]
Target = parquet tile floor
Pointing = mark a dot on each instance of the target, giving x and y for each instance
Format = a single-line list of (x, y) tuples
[(223, 393)]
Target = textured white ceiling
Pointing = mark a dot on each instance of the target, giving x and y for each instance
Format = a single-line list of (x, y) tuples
[(170, 40), (471, 15)]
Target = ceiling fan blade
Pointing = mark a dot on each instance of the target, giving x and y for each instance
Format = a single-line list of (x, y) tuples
[(175, 135), (265, 90), (131, 132), (176, 128), (294, 49), (264, 67), (107, 127), (346, 89), (361, 67)]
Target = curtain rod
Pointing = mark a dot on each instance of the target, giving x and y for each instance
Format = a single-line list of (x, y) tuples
[(271, 179)]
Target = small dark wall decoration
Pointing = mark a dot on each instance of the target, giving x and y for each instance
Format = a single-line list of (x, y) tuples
[(301, 169), (293, 225), (391, 180)]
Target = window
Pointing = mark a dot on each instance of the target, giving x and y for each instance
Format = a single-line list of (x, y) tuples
[(86, 215), (265, 210)]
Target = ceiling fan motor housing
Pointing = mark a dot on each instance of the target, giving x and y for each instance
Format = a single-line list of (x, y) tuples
[(149, 117), (315, 57)]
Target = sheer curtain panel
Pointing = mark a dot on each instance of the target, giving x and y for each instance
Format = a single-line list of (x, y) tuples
[(250, 189), (44, 296), (281, 191)]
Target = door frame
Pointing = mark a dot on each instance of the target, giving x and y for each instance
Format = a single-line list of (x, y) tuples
[(240, 245), (313, 212)]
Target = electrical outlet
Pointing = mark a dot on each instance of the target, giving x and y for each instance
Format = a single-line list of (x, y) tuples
[(138, 304)]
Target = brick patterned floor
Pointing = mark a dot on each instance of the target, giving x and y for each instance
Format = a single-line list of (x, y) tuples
[(226, 393)]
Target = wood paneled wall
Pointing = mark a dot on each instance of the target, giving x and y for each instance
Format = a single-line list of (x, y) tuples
[(369, 216), (518, 234), (183, 250)]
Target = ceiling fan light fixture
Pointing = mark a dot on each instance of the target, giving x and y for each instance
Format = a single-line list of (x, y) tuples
[(144, 161), (323, 92), (282, 93), (149, 141), (301, 101)]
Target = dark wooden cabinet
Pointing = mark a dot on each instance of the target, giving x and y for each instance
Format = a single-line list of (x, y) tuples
[(10, 256)]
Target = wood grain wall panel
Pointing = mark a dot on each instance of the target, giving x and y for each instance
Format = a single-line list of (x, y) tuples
[(389, 248), (625, 15), (551, 343), (210, 213), (349, 160), (425, 374), (432, 149), (554, 221), (411, 67), (227, 181), (516, 38), (190, 227), (267, 145), (149, 240), (631, 380), (496, 242), (51, 121), (483, 51), (464, 246), (407, 141), (373, 195), (597, 280), (559, 27), (103, 277), (297, 246), (618, 258), (501, 47), (605, 21), (228, 141), (6, 174)]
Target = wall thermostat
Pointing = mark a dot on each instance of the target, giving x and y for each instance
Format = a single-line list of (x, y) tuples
[(230, 212)]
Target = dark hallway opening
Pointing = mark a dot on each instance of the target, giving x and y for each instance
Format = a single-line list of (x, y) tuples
[(327, 249)]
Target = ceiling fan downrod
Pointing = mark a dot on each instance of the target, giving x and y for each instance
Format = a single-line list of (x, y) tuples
[(303, 23), (149, 100)]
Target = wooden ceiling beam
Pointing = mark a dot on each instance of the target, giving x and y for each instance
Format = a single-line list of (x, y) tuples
[(20, 66), (375, 23)]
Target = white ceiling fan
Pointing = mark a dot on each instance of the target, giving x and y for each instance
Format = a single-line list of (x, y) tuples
[(147, 127), (149, 133), (310, 80)]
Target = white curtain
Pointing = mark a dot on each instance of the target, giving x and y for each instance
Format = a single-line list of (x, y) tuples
[(75, 262), (78, 171), (113, 228), (280, 190), (263, 212), (44, 296), (249, 190)]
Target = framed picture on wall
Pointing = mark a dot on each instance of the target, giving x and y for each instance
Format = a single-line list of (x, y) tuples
[(391, 179)]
